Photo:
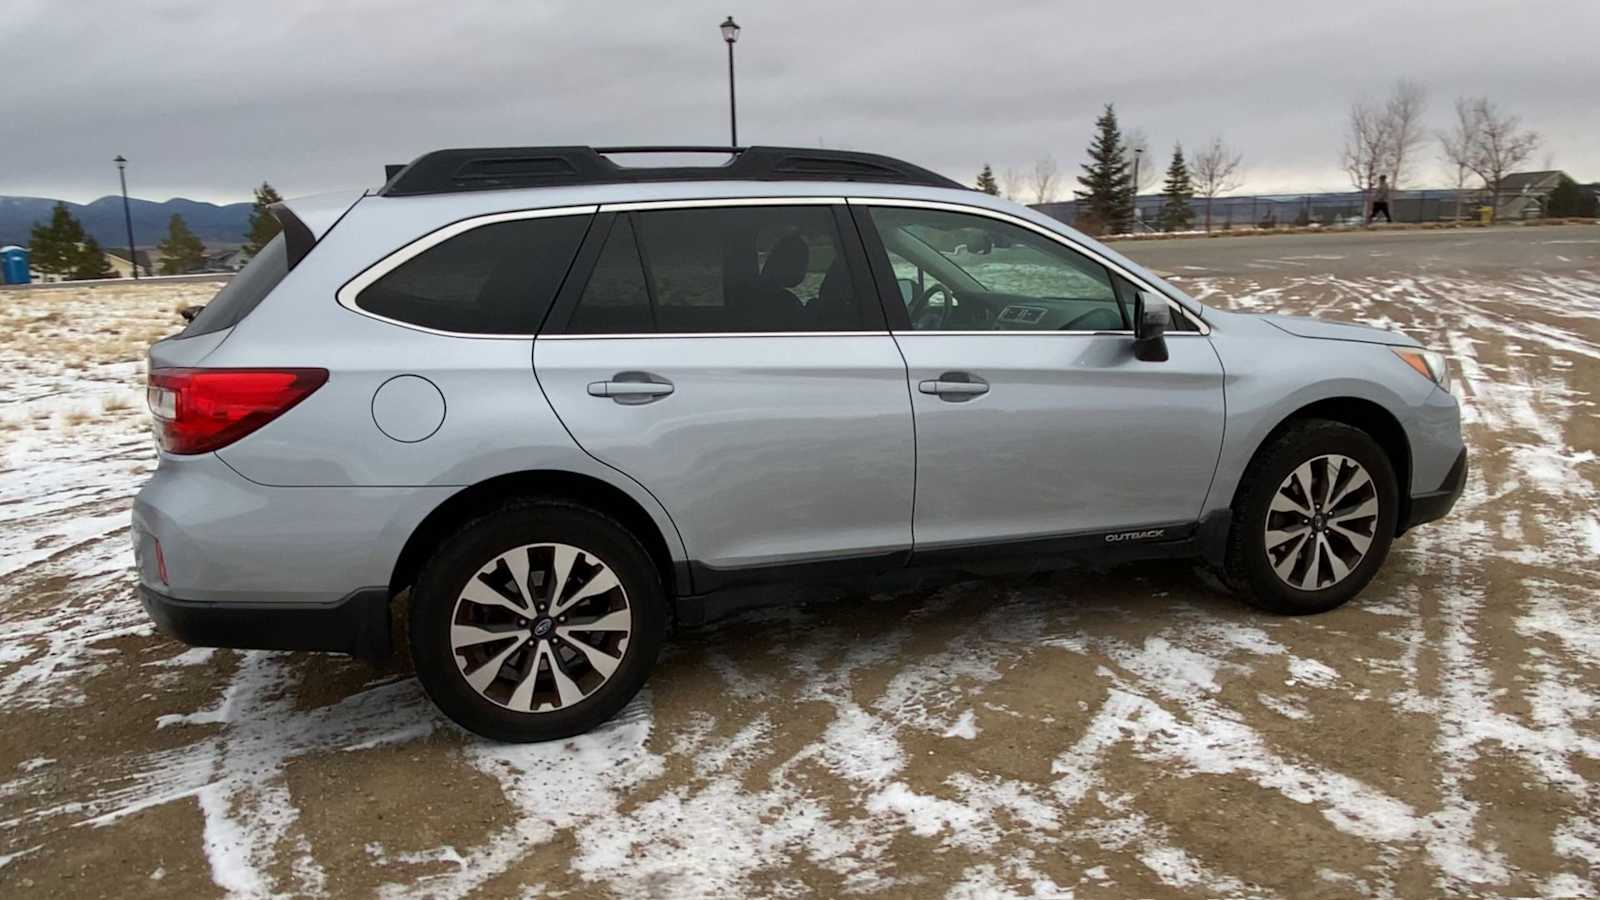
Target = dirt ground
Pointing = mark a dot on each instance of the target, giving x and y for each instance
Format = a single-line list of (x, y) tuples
[(1126, 733)]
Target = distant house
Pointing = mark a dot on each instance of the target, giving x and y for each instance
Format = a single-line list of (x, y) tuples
[(118, 260), (227, 260), (1591, 194), (1523, 195)]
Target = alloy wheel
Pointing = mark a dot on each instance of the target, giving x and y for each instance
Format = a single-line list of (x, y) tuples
[(1321, 522), (541, 627)]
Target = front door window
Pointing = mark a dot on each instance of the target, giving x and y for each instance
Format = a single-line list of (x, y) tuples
[(960, 272)]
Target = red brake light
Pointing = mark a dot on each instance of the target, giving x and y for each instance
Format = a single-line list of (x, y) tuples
[(201, 410)]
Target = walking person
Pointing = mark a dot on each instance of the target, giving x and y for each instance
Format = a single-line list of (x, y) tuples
[(1380, 201)]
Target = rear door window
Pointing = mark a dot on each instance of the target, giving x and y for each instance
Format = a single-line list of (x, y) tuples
[(494, 279), (615, 301), (750, 269)]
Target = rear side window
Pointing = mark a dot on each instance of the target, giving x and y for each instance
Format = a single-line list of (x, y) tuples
[(245, 292), (494, 279), (760, 269)]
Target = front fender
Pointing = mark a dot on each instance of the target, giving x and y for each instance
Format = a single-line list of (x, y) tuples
[(1270, 378)]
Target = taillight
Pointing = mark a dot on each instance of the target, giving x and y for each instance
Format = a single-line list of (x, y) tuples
[(201, 410)]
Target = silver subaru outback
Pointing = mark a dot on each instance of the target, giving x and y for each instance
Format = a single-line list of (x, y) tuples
[(550, 407)]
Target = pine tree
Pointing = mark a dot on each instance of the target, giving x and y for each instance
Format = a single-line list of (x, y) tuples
[(90, 261), (986, 182), (263, 224), (1176, 215), (181, 252), (53, 247), (1108, 194)]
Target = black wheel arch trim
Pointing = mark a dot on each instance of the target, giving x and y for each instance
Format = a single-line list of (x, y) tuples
[(1364, 415)]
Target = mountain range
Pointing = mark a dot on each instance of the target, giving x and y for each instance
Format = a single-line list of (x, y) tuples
[(213, 224)]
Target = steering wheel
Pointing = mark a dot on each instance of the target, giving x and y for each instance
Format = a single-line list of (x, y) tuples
[(925, 316)]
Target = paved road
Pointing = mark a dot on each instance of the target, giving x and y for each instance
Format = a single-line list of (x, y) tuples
[(1555, 248)]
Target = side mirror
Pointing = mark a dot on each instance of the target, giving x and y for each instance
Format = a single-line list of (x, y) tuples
[(1151, 313), (908, 290)]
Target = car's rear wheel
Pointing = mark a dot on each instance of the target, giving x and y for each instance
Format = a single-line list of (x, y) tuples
[(537, 622), (1313, 520)]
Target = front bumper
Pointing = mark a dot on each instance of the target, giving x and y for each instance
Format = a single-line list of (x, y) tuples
[(357, 624), (1436, 504)]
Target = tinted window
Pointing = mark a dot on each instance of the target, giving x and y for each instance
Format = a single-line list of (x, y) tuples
[(615, 301), (245, 291), (959, 272), (726, 269), (494, 279)]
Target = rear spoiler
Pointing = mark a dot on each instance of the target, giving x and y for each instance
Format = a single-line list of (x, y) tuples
[(306, 220), (297, 237)]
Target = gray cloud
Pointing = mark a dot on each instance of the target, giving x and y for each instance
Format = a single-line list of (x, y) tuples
[(209, 98)]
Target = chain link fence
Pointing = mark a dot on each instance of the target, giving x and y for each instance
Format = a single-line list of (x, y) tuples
[(1280, 210)]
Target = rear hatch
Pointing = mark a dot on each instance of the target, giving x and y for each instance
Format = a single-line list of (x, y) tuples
[(304, 223)]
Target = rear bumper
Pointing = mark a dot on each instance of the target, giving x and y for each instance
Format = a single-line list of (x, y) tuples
[(357, 624), (1437, 504)]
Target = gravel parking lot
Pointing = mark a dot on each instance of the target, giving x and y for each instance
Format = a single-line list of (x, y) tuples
[(1134, 732)]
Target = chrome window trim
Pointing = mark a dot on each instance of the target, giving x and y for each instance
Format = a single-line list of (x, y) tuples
[(945, 206), (641, 335), (710, 334), (1039, 333), (641, 205), (349, 294)]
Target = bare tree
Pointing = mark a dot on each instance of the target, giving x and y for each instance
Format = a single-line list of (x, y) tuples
[(1043, 180), (1403, 111), (1382, 140), (1455, 148), (1012, 185), (1490, 142), (1215, 170), (1368, 149)]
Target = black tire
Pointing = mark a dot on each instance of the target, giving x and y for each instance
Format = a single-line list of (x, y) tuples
[(480, 541), (1249, 569)]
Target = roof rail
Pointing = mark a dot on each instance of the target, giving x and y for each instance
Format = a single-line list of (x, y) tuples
[(499, 168)]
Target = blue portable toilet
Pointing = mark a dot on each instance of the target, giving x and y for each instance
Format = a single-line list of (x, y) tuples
[(14, 265)]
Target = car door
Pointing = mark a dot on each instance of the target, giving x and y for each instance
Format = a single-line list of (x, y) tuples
[(731, 357), (1033, 418)]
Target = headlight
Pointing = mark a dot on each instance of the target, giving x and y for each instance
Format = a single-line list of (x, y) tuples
[(1429, 364)]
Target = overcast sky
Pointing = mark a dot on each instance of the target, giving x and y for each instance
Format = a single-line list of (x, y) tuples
[(207, 99)]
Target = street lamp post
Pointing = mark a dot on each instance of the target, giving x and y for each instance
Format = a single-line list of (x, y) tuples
[(730, 33), (1138, 153), (127, 217)]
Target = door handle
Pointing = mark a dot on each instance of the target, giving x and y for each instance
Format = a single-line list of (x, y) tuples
[(628, 389), (954, 386), (631, 388)]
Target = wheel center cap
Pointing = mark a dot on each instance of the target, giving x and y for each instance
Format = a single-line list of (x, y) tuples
[(543, 627), (1318, 521)]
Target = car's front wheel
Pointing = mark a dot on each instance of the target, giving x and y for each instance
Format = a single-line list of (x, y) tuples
[(537, 622), (1313, 520)]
